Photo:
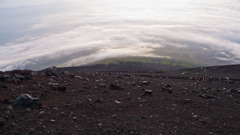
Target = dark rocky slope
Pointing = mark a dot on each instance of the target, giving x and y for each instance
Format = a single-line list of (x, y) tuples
[(120, 103)]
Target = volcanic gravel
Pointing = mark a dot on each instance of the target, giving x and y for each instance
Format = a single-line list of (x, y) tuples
[(117, 103)]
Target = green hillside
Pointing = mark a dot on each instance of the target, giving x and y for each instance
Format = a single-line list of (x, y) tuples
[(146, 60)]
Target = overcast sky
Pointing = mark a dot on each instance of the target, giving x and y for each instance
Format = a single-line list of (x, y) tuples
[(38, 34)]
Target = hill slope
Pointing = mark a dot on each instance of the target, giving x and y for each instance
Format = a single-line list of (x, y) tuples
[(112, 103)]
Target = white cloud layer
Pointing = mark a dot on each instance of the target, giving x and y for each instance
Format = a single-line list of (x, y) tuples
[(38, 34)]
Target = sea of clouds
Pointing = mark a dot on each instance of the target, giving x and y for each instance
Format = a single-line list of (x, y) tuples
[(38, 34)]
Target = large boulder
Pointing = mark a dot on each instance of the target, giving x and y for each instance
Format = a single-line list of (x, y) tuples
[(25, 100)]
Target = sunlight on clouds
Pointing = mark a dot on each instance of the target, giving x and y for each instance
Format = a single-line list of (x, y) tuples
[(38, 34)]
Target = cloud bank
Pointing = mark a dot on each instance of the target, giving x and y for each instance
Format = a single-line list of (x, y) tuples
[(40, 34)]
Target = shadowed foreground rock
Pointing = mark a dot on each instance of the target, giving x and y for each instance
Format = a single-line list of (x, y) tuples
[(25, 100)]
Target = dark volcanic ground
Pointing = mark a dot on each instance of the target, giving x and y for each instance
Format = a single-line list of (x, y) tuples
[(119, 103)]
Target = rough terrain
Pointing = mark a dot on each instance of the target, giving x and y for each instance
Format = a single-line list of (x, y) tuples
[(101, 103)]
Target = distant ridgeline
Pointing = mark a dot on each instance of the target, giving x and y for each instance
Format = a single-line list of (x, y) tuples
[(170, 63), (145, 64)]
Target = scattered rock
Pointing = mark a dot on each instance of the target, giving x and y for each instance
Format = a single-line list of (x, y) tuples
[(167, 88), (13, 125), (4, 77), (238, 91), (66, 73), (118, 102), (4, 86), (62, 88), (74, 118), (52, 120), (187, 101), (126, 75), (119, 111), (18, 77), (147, 93), (206, 96), (145, 82), (10, 107), (103, 85), (85, 79), (99, 100), (195, 116), (116, 87), (114, 115), (230, 82), (25, 100), (53, 84), (50, 73), (120, 77), (1, 122)]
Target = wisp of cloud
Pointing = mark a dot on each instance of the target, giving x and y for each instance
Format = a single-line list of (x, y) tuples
[(38, 34)]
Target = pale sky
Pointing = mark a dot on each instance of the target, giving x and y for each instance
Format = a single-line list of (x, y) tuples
[(38, 34)]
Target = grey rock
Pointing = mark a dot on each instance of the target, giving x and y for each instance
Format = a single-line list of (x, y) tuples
[(86, 79), (13, 125), (167, 88), (50, 73), (4, 78), (52, 120), (145, 82), (116, 87), (187, 101), (25, 100), (147, 93), (103, 85), (10, 107)]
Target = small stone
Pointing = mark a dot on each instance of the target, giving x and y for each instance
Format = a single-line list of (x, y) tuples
[(194, 115), (167, 88), (118, 102), (170, 91), (4, 86), (14, 125), (103, 85), (52, 120), (145, 82), (187, 101), (28, 109), (99, 100), (10, 107), (62, 88), (42, 112), (115, 87), (1, 122), (74, 118), (85, 79), (50, 73), (55, 108), (79, 77), (114, 116), (147, 93), (238, 91), (210, 133)]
